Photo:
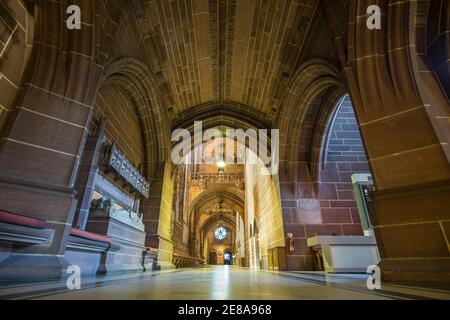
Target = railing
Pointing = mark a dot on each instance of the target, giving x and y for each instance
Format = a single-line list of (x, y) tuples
[(181, 261)]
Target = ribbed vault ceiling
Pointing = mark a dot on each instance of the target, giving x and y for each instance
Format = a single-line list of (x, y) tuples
[(223, 52)]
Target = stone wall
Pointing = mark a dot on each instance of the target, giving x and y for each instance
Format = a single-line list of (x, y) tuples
[(326, 206), (162, 226), (344, 156), (16, 37), (264, 221), (123, 125)]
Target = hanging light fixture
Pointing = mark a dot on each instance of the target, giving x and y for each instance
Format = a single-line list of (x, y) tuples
[(221, 165), (220, 160)]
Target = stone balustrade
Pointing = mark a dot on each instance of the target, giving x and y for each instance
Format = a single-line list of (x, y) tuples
[(205, 179)]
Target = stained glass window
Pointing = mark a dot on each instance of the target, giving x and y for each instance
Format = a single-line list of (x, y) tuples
[(220, 233)]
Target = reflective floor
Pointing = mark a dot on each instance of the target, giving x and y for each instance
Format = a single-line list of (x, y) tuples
[(219, 283)]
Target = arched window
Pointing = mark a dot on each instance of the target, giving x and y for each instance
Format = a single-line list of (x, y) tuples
[(221, 233)]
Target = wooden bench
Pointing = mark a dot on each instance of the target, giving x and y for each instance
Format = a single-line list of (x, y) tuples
[(181, 262), (88, 241), (22, 230)]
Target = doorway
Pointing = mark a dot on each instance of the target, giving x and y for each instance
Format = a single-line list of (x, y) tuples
[(228, 258), (212, 259)]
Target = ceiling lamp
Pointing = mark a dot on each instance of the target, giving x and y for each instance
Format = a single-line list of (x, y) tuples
[(221, 165), (220, 162)]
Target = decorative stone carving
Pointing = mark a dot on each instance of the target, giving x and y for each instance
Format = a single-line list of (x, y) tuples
[(104, 207), (231, 26), (117, 162), (104, 203), (205, 179), (214, 34)]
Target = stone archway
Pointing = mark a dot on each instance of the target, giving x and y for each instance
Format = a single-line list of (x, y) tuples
[(135, 78), (212, 260), (313, 93), (202, 222), (228, 257), (395, 80), (301, 104)]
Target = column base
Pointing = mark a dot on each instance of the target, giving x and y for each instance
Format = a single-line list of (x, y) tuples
[(33, 268), (430, 273), (120, 268)]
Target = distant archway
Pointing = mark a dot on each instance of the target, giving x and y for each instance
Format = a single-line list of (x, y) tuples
[(212, 260), (217, 196), (228, 258)]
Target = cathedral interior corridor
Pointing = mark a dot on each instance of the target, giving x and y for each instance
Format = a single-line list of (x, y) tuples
[(224, 150)]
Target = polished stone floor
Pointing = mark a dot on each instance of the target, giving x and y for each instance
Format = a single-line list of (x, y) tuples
[(218, 283)]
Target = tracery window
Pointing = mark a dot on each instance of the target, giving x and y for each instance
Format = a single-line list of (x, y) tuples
[(220, 233)]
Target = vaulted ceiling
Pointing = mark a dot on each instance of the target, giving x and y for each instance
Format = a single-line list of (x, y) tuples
[(224, 52)]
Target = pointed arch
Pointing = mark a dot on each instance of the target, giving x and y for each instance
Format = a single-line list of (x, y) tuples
[(135, 78), (315, 84)]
